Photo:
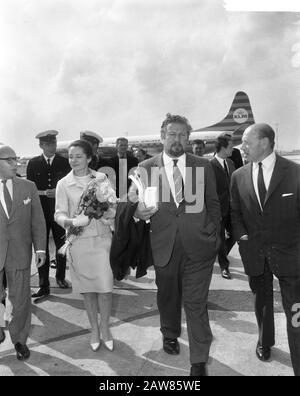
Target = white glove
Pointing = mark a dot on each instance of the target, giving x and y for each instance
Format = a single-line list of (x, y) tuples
[(81, 220)]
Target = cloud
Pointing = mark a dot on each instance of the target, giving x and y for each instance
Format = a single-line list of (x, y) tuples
[(120, 66)]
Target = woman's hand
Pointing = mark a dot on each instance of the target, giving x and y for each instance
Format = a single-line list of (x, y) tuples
[(109, 214), (81, 220)]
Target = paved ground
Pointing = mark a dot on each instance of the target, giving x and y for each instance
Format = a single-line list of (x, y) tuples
[(59, 341)]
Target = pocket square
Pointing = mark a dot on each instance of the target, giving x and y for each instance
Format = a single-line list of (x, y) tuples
[(287, 194), (27, 201)]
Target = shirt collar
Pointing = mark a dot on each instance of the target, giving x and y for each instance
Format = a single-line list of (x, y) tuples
[(167, 159), (71, 179), (268, 162), (221, 160), (51, 158)]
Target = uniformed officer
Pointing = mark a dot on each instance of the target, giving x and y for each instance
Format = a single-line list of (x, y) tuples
[(45, 171), (94, 139)]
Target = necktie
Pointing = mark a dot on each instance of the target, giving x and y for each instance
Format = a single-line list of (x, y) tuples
[(178, 182), (226, 169), (7, 197), (48, 162), (262, 191)]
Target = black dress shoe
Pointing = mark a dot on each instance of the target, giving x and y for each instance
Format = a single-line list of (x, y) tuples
[(263, 352), (2, 335), (63, 284), (41, 293), (171, 346), (198, 370), (23, 352), (226, 274)]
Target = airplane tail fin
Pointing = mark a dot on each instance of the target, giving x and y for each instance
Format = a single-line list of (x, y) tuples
[(239, 117)]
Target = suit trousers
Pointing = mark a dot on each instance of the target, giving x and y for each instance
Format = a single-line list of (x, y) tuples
[(226, 243), (18, 282), (59, 239), (262, 287), (187, 281)]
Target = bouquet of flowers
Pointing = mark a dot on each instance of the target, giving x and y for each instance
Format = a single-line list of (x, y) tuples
[(98, 201)]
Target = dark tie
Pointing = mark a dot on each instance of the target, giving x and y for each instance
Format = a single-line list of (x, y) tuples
[(262, 191), (226, 169), (7, 197), (178, 182), (48, 162)]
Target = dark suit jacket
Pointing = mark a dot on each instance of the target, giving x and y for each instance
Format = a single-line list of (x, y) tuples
[(132, 162), (130, 245), (223, 184), (197, 221), (24, 227), (45, 178), (274, 234)]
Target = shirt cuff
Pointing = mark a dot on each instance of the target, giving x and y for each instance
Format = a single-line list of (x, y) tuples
[(40, 251)]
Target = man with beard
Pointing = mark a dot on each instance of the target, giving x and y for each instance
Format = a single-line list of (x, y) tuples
[(184, 235)]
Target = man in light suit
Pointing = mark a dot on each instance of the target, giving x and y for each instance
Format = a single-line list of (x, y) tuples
[(266, 222), (184, 234), (22, 225), (223, 168)]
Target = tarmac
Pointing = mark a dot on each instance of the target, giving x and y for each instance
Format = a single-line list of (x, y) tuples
[(59, 339)]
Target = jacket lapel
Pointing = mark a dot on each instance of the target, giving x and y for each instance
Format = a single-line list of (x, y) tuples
[(248, 182), (16, 196), (2, 212), (278, 174)]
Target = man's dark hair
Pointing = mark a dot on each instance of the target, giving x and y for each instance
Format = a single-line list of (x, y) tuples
[(198, 141), (222, 141), (174, 118), (120, 139)]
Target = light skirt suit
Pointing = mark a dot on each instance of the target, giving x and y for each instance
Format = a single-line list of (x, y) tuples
[(88, 260)]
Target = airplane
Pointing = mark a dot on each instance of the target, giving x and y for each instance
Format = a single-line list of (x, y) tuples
[(238, 118)]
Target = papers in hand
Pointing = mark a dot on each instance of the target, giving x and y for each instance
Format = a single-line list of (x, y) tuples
[(148, 195)]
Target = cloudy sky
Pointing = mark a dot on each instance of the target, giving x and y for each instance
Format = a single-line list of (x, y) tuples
[(118, 66)]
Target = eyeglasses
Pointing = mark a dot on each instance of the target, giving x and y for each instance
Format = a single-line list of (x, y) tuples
[(10, 160)]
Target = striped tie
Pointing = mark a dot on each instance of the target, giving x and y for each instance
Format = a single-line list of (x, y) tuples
[(7, 197), (178, 182)]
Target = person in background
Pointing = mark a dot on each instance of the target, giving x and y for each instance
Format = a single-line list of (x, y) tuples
[(89, 264), (45, 171), (265, 204), (141, 154), (122, 163), (184, 239), (236, 158), (22, 226), (223, 168), (198, 147), (94, 139)]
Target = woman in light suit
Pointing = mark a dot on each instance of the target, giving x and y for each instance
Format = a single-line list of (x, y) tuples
[(89, 264)]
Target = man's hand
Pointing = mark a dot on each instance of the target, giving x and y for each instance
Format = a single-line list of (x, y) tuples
[(50, 193), (244, 238), (144, 213), (40, 258)]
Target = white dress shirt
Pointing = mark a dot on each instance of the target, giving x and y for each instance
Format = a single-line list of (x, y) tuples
[(267, 167), (10, 190), (51, 159), (221, 161), (169, 165)]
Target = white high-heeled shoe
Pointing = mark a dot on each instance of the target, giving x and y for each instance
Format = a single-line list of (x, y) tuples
[(95, 346), (109, 345)]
